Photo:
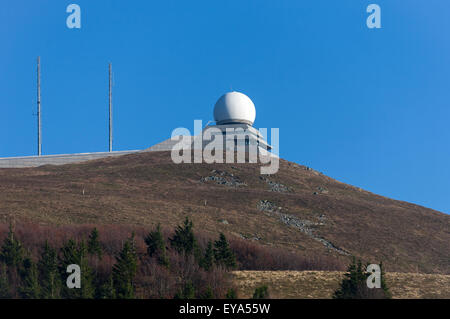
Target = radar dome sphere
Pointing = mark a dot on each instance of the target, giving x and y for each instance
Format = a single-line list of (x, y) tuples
[(234, 107)]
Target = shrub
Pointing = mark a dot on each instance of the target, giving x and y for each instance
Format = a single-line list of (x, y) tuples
[(261, 292)]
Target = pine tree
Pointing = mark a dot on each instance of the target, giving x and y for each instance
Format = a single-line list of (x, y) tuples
[(106, 290), (29, 288), (87, 290), (184, 239), (354, 278), (71, 253), (49, 276), (207, 261), (208, 294), (94, 246), (5, 292), (223, 254), (384, 286), (156, 246), (231, 294), (124, 270), (11, 252), (68, 256), (186, 292), (354, 284)]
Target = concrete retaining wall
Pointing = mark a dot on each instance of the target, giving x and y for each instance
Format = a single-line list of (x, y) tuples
[(35, 161)]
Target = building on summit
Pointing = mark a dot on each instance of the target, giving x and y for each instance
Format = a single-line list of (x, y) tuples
[(234, 115)]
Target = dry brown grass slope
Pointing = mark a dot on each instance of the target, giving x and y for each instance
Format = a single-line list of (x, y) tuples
[(322, 284), (296, 209)]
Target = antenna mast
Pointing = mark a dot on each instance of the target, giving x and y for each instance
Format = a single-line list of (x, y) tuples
[(39, 104), (110, 109)]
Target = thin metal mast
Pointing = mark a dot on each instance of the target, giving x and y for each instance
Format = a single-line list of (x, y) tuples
[(39, 105), (110, 109)]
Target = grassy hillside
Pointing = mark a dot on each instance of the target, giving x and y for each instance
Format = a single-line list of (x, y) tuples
[(297, 209), (322, 284)]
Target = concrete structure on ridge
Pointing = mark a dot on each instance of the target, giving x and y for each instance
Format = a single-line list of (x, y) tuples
[(233, 111)]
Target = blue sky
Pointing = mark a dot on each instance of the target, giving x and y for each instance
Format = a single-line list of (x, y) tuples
[(369, 107)]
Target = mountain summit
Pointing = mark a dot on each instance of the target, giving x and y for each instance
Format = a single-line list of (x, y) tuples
[(298, 209)]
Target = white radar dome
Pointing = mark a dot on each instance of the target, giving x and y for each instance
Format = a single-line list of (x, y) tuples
[(234, 107)]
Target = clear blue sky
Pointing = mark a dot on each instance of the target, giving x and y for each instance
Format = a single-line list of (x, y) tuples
[(367, 107)]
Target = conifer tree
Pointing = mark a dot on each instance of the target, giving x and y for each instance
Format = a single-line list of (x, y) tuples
[(184, 239), (354, 284), (207, 261), (4, 282), (223, 254), (94, 246), (186, 292), (71, 253), (231, 294), (68, 256), (208, 294), (124, 270), (106, 290), (354, 278), (156, 246), (87, 290), (29, 288), (384, 286), (49, 276), (11, 252)]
